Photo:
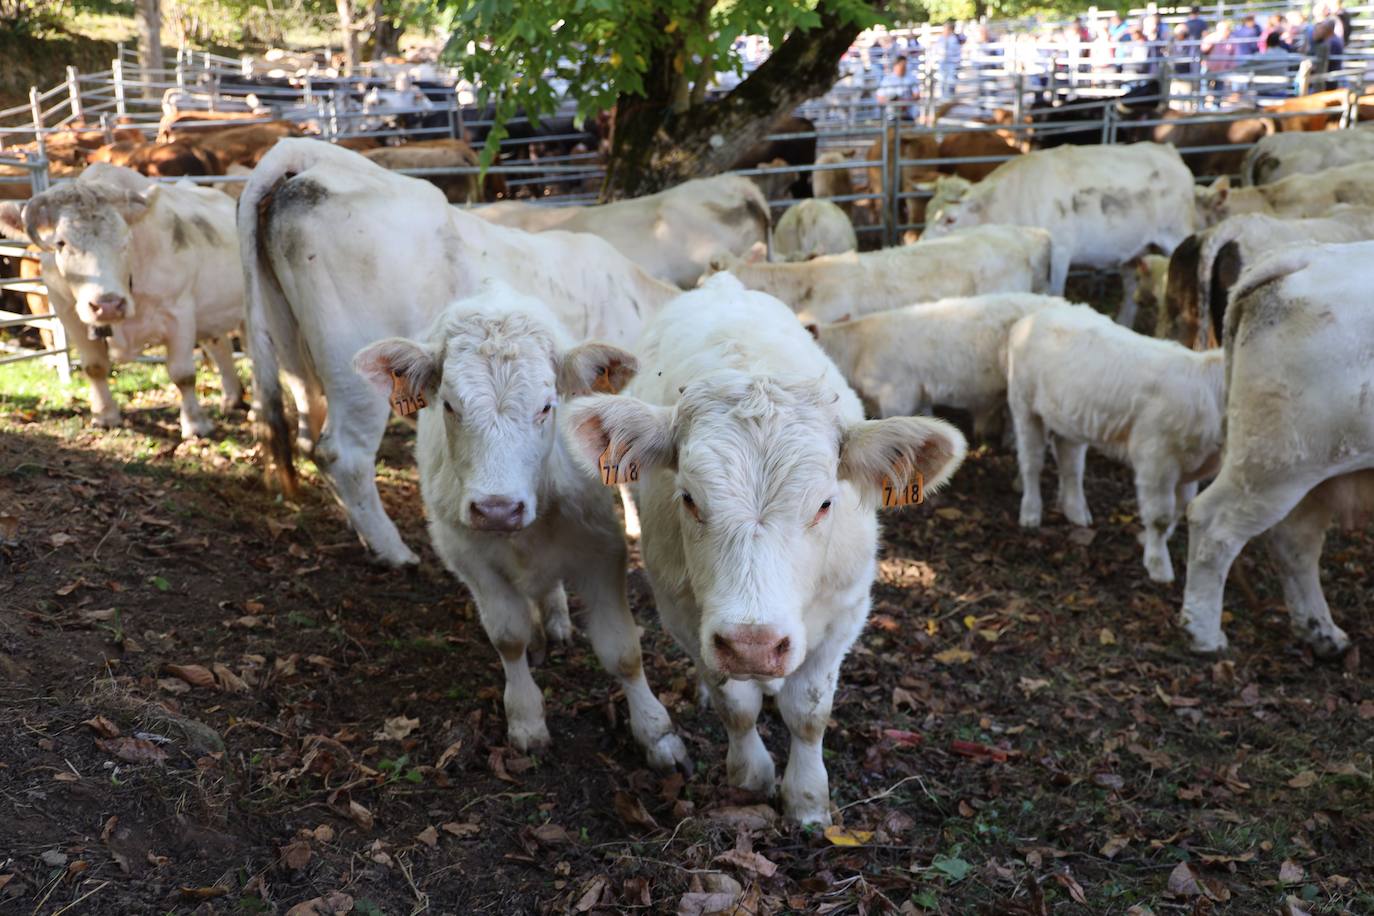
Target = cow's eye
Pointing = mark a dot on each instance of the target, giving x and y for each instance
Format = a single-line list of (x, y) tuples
[(690, 505), (448, 409), (60, 245), (548, 409), (822, 512)]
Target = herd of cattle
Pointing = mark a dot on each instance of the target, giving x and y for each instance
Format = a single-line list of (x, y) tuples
[(762, 411)]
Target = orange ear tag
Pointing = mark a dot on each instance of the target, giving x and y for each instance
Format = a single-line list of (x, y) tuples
[(402, 401), (914, 493), (602, 384), (613, 475)]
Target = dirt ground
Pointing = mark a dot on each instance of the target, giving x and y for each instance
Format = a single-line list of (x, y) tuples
[(211, 703)]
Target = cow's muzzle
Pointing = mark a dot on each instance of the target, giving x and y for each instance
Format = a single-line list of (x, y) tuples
[(497, 514)]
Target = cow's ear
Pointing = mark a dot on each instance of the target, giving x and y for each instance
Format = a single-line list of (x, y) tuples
[(757, 253), (595, 368), (637, 434), (879, 453), (12, 221), (1221, 188), (133, 205), (395, 362)]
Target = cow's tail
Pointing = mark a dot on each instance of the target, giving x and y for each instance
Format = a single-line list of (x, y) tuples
[(757, 203), (1270, 268), (1257, 162), (270, 323)]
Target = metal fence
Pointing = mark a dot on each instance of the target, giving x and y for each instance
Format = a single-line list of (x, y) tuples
[(848, 119)]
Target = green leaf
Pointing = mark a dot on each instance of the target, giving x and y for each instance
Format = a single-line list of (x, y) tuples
[(160, 583), (953, 868), (926, 900), (366, 907)]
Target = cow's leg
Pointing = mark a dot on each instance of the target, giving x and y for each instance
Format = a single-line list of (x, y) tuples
[(1184, 494), (1130, 283), (1220, 521), (615, 638), (989, 423), (508, 619), (95, 360), (1059, 270), (1070, 457), (181, 366), (748, 764), (347, 455), (1296, 546), (627, 505), (310, 411), (804, 703), (221, 350), (1156, 491), (1030, 460), (553, 612)]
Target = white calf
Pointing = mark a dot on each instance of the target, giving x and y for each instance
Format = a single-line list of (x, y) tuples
[(812, 228), (758, 479), (1299, 434), (129, 263), (1155, 405), (949, 353), (509, 512)]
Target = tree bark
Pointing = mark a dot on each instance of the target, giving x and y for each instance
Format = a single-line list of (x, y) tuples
[(149, 20), (350, 36), (653, 148)]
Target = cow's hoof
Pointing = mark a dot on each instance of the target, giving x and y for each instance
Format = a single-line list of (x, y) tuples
[(806, 812), (397, 559), (106, 420), (669, 753), (1030, 519), (1207, 643), (1327, 645), (528, 737), (558, 629), (197, 429), (754, 773), (1160, 570), (1080, 517), (233, 405)]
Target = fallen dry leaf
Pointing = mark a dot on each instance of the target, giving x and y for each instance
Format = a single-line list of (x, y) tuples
[(361, 816), (1073, 887), (449, 753), (702, 903), (229, 682), (202, 893), (334, 903), (551, 834), (1029, 685), (173, 686), (751, 817), (843, 836), (9, 531), (195, 675), (429, 836), (1303, 780), (974, 749), (632, 811), (955, 656), (296, 855), (102, 727), (591, 894), (396, 728), (134, 750), (1183, 881), (753, 862), (1112, 848), (1292, 906), (1291, 872), (461, 829), (1106, 637)]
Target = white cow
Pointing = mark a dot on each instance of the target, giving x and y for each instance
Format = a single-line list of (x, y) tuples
[(758, 480), (673, 234), (1155, 405), (989, 259), (811, 228), (1205, 266), (1304, 153), (1292, 197), (339, 252), (1299, 434), (509, 511), (129, 263), (1105, 206), (951, 353)]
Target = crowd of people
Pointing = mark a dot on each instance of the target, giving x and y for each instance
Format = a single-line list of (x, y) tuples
[(895, 65)]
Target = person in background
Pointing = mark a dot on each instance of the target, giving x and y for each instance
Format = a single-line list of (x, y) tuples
[(1156, 35), (1219, 55), (1275, 63), (1346, 20), (1295, 33), (1247, 35), (1276, 25), (1182, 51), (1195, 24), (899, 87), (950, 47), (1136, 60), (1326, 42)]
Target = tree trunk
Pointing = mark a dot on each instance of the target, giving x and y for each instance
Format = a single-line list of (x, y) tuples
[(653, 148), (386, 37), (350, 36), (149, 21)]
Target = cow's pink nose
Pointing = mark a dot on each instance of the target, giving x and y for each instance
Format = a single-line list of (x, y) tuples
[(751, 650), (496, 513), (109, 307)]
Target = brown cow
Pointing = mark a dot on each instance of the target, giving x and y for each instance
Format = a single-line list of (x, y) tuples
[(457, 188), (913, 146), (160, 160), (242, 145), (968, 144), (1184, 132), (1328, 105)]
